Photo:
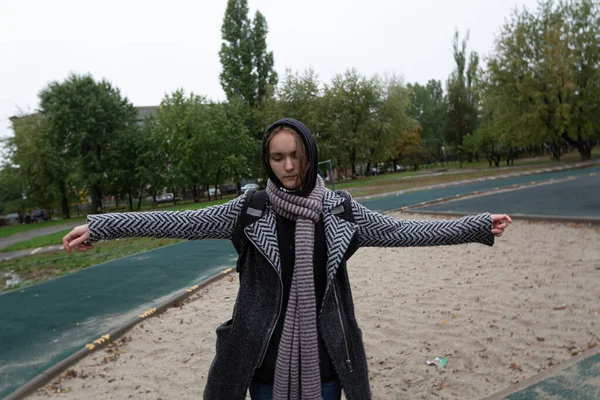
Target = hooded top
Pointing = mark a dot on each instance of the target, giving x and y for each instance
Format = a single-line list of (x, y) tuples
[(310, 145)]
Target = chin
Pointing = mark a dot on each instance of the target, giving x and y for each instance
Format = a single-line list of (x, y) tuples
[(291, 186)]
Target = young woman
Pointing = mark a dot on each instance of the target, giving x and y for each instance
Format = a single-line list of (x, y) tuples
[(293, 334)]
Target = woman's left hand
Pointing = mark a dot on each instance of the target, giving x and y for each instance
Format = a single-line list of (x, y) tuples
[(499, 223)]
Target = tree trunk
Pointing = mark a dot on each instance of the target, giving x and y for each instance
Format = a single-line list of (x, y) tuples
[(130, 202), (353, 163), (217, 182), (195, 194), (584, 147), (141, 196), (368, 171), (96, 199), (64, 201)]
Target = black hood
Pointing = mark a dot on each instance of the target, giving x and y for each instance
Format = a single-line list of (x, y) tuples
[(311, 153)]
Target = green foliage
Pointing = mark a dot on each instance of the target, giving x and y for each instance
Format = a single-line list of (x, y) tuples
[(543, 77), (12, 188), (248, 68), (363, 118), (463, 93), (200, 143), (428, 107), (85, 118)]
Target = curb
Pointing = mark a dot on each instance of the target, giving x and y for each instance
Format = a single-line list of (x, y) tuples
[(498, 189), (543, 375), (532, 217), (541, 170), (54, 371), (415, 208)]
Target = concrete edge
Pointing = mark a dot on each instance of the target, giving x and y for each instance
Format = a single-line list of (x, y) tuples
[(40, 380), (544, 375), (541, 170), (478, 193)]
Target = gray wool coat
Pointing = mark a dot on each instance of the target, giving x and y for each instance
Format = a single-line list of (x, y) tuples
[(243, 340)]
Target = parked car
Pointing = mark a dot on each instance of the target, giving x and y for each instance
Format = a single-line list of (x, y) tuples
[(211, 191), (167, 198), (12, 218), (249, 186), (230, 189), (377, 170), (39, 215)]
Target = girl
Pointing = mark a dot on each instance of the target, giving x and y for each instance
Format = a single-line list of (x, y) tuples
[(293, 334)]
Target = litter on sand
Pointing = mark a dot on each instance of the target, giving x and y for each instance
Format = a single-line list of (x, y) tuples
[(438, 360)]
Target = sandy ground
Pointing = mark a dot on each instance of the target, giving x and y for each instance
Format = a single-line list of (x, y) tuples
[(499, 315)]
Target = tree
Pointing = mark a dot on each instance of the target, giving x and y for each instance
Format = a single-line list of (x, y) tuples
[(248, 68), (349, 104), (202, 143), (462, 93), (486, 141), (583, 19), (263, 60), (85, 116), (125, 158), (299, 97), (428, 107), (42, 165), (11, 190), (543, 75), (390, 122), (408, 148)]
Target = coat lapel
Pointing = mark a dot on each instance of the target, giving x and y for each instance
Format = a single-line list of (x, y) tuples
[(263, 234), (338, 233)]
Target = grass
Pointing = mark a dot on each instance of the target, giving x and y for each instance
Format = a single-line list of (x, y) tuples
[(6, 231), (10, 230), (56, 238), (44, 266), (401, 181), (40, 241)]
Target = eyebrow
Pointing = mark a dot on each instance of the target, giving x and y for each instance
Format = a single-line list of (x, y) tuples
[(281, 154)]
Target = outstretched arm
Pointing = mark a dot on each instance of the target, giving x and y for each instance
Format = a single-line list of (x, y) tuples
[(216, 222), (375, 229)]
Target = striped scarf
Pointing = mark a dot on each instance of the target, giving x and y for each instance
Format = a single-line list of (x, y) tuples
[(297, 373)]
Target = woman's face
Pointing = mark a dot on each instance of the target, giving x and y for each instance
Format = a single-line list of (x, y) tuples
[(284, 159)]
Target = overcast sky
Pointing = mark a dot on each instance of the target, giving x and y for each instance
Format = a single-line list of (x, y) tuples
[(149, 48)]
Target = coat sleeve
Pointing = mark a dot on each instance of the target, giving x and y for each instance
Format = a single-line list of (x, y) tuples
[(215, 222), (378, 230)]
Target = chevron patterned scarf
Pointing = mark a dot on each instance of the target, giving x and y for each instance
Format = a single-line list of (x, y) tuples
[(297, 373)]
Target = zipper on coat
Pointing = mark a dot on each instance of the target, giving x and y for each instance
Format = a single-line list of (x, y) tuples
[(272, 329), (337, 302)]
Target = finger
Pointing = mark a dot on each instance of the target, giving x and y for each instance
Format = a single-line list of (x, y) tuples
[(83, 247), (66, 240), (508, 218), (80, 239)]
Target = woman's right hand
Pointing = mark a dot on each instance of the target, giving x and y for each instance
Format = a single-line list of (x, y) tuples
[(78, 239)]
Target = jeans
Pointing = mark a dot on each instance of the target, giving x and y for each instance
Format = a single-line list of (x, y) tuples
[(329, 391)]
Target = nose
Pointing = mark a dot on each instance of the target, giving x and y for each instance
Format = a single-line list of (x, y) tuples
[(289, 164)]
